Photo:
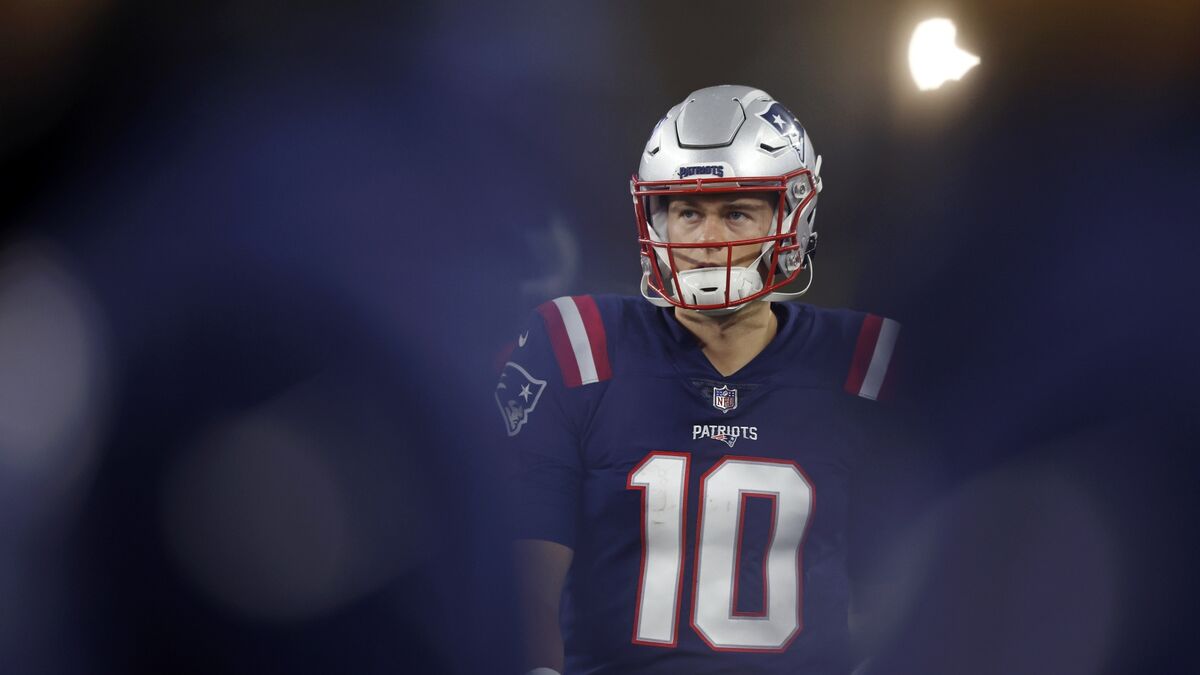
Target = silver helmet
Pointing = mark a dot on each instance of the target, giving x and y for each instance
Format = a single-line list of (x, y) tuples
[(720, 140)]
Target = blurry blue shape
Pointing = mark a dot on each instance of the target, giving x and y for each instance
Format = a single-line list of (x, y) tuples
[(320, 214)]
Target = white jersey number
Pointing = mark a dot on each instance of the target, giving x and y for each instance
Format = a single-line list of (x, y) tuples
[(662, 478)]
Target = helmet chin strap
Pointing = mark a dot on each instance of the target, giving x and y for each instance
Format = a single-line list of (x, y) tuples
[(782, 296), (659, 301), (655, 299), (707, 286)]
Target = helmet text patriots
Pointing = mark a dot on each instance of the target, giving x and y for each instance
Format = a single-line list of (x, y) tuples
[(706, 170)]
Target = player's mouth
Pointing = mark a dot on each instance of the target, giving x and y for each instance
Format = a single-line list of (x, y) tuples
[(693, 264)]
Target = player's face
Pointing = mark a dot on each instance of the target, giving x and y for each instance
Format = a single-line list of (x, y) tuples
[(717, 218)]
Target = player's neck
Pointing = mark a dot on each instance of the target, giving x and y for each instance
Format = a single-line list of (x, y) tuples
[(733, 340)]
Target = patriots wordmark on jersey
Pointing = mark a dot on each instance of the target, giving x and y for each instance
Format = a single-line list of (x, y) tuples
[(707, 514)]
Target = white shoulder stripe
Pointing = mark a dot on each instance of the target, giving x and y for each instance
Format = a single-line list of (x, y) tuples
[(880, 359), (580, 344)]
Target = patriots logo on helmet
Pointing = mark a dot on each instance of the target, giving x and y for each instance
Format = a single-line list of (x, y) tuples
[(787, 125), (517, 394)]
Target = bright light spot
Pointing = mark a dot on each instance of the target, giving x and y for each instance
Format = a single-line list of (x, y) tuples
[(933, 57)]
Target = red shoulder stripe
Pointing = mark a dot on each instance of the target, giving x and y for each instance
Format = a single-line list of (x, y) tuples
[(596, 335), (561, 343), (888, 388), (863, 350), (871, 366)]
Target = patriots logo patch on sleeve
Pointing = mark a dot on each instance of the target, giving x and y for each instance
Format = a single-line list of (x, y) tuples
[(786, 124), (517, 394)]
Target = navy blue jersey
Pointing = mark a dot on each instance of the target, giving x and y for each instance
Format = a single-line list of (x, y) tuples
[(708, 514)]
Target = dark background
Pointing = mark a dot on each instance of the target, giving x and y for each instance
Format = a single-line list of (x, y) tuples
[(258, 258)]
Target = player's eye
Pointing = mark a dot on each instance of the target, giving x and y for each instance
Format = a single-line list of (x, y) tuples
[(688, 214)]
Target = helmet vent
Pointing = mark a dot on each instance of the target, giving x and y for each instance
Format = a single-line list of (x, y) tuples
[(710, 120)]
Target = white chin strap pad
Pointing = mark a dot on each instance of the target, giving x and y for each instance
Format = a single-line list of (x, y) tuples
[(706, 286)]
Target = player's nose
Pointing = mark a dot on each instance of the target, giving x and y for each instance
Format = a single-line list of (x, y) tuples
[(712, 229)]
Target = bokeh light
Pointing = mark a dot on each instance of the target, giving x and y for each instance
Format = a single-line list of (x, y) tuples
[(933, 56), (54, 377)]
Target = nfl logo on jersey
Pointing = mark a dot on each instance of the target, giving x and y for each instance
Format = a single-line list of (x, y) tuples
[(724, 398)]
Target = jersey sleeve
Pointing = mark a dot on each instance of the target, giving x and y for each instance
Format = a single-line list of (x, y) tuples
[(545, 395), (894, 475)]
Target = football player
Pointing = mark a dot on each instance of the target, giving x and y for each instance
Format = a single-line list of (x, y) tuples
[(684, 457)]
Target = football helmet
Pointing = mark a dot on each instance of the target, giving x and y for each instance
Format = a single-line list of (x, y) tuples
[(720, 140)]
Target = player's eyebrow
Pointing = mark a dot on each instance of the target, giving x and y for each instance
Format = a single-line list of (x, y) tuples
[(747, 204), (736, 204)]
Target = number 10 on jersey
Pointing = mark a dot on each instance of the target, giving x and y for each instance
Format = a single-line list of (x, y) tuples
[(662, 478)]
